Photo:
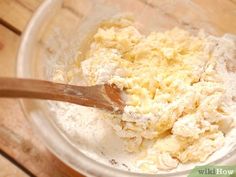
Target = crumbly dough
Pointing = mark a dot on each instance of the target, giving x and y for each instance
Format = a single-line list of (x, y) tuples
[(176, 85)]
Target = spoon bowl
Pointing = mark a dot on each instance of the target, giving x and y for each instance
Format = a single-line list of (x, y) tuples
[(107, 97)]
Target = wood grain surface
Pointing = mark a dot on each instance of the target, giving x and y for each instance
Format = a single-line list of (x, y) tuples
[(9, 170), (23, 154), (18, 142), (107, 97), (16, 13), (17, 139)]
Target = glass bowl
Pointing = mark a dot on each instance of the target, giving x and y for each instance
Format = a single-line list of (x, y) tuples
[(58, 25)]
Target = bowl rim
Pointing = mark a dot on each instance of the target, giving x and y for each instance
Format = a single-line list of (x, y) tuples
[(82, 162)]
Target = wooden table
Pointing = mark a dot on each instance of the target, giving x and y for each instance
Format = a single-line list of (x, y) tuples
[(21, 153)]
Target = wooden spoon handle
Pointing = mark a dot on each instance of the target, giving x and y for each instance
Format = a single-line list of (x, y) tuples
[(93, 96)]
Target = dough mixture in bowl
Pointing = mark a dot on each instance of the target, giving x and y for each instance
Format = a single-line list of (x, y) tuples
[(179, 88)]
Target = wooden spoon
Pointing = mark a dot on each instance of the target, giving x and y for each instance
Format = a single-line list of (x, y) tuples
[(100, 96)]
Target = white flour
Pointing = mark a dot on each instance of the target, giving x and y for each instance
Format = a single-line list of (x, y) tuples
[(90, 132)]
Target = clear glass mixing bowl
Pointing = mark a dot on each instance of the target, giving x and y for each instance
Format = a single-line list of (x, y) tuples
[(59, 23)]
